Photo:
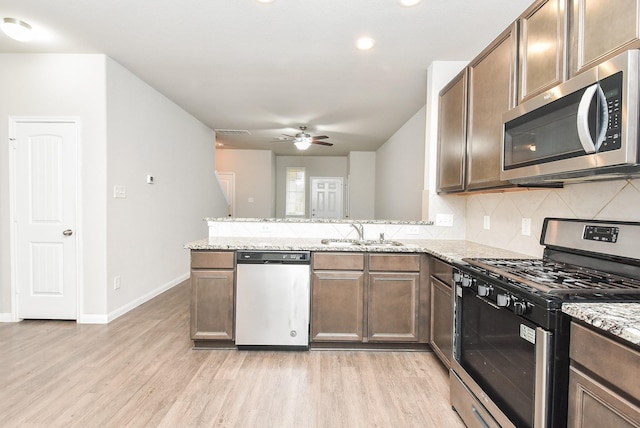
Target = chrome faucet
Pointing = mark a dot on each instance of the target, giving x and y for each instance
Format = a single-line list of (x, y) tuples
[(360, 229)]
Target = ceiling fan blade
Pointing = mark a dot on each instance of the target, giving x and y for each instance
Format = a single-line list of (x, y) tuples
[(322, 143), (320, 137)]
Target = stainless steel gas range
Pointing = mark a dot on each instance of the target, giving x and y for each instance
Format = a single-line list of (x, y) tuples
[(511, 341)]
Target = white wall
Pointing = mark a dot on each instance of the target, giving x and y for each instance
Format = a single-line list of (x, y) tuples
[(362, 185), (54, 86), (150, 135), (255, 174), (140, 237), (400, 172), (316, 166)]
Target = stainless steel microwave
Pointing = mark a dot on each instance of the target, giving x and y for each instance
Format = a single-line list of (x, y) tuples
[(583, 129)]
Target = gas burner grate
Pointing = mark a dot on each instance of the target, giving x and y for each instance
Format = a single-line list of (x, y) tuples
[(558, 278)]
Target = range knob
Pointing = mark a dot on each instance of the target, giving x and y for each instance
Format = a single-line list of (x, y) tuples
[(467, 281), (456, 276), (484, 290), (520, 308), (503, 300)]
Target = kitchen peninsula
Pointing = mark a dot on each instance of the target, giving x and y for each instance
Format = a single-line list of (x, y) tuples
[(366, 293), (418, 237)]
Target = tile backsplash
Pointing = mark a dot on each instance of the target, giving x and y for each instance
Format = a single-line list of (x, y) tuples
[(603, 200)]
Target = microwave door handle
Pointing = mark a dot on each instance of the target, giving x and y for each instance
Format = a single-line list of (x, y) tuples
[(604, 118), (583, 119)]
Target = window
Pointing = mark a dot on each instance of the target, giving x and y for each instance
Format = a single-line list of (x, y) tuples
[(295, 191)]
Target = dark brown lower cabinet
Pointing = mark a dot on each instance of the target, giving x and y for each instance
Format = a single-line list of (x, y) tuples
[(442, 310), (337, 308), (212, 297), (442, 321), (603, 381), (361, 298)]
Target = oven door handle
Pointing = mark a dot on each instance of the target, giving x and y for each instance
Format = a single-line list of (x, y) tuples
[(488, 302)]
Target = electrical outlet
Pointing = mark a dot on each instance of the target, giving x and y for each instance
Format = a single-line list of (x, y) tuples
[(116, 282), (487, 222), (412, 230), (526, 226), (444, 220)]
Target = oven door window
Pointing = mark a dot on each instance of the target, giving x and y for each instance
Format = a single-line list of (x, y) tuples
[(502, 362)]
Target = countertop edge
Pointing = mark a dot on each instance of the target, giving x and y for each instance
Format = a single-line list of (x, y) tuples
[(619, 319)]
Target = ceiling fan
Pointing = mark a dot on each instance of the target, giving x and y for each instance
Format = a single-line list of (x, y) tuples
[(302, 140)]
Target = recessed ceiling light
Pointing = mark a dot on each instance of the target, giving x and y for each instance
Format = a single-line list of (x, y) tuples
[(364, 43), (16, 29), (265, 1), (409, 3)]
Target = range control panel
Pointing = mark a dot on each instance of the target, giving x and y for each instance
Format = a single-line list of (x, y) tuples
[(601, 233)]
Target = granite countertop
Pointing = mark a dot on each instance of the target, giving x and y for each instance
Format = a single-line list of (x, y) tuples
[(314, 220), (620, 319), (452, 251)]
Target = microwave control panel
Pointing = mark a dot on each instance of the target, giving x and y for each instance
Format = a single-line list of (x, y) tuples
[(612, 87)]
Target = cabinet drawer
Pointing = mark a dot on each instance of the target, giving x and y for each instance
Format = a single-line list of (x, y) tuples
[(468, 407), (610, 360), (212, 259), (338, 261), (394, 262), (442, 270)]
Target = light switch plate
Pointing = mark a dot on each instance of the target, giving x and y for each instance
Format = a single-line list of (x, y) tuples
[(119, 192), (526, 226), (486, 222)]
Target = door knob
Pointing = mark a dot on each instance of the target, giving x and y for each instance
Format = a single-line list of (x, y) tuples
[(68, 232)]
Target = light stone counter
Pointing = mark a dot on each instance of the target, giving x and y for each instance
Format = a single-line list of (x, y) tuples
[(452, 251), (620, 319)]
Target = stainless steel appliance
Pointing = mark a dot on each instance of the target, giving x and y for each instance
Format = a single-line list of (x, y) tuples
[(585, 128), (511, 345), (273, 299)]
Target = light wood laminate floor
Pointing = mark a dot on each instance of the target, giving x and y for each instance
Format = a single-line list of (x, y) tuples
[(140, 371)]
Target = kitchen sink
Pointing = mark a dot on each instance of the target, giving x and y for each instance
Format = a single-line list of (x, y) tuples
[(338, 242)]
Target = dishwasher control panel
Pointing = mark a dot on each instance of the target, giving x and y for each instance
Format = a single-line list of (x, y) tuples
[(303, 257)]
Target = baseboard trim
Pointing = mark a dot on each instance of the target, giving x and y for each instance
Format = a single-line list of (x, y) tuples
[(145, 298), (6, 317), (105, 319)]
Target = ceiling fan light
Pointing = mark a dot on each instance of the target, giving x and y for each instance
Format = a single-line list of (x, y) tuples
[(365, 43), (303, 143), (409, 3), (16, 29)]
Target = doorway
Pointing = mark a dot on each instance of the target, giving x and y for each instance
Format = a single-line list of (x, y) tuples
[(44, 212), (326, 197), (227, 181)]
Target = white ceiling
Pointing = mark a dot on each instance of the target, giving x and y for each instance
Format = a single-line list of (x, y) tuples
[(269, 68)]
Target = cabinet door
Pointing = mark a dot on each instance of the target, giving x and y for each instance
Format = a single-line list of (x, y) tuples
[(491, 86), (212, 305), (337, 306), (593, 405), (542, 41), (392, 311), (601, 29), (451, 135), (442, 321)]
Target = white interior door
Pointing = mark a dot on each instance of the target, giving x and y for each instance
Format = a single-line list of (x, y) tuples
[(326, 197), (227, 182), (44, 211)]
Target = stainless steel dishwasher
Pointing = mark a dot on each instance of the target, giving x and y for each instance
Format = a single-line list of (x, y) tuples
[(273, 299)]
